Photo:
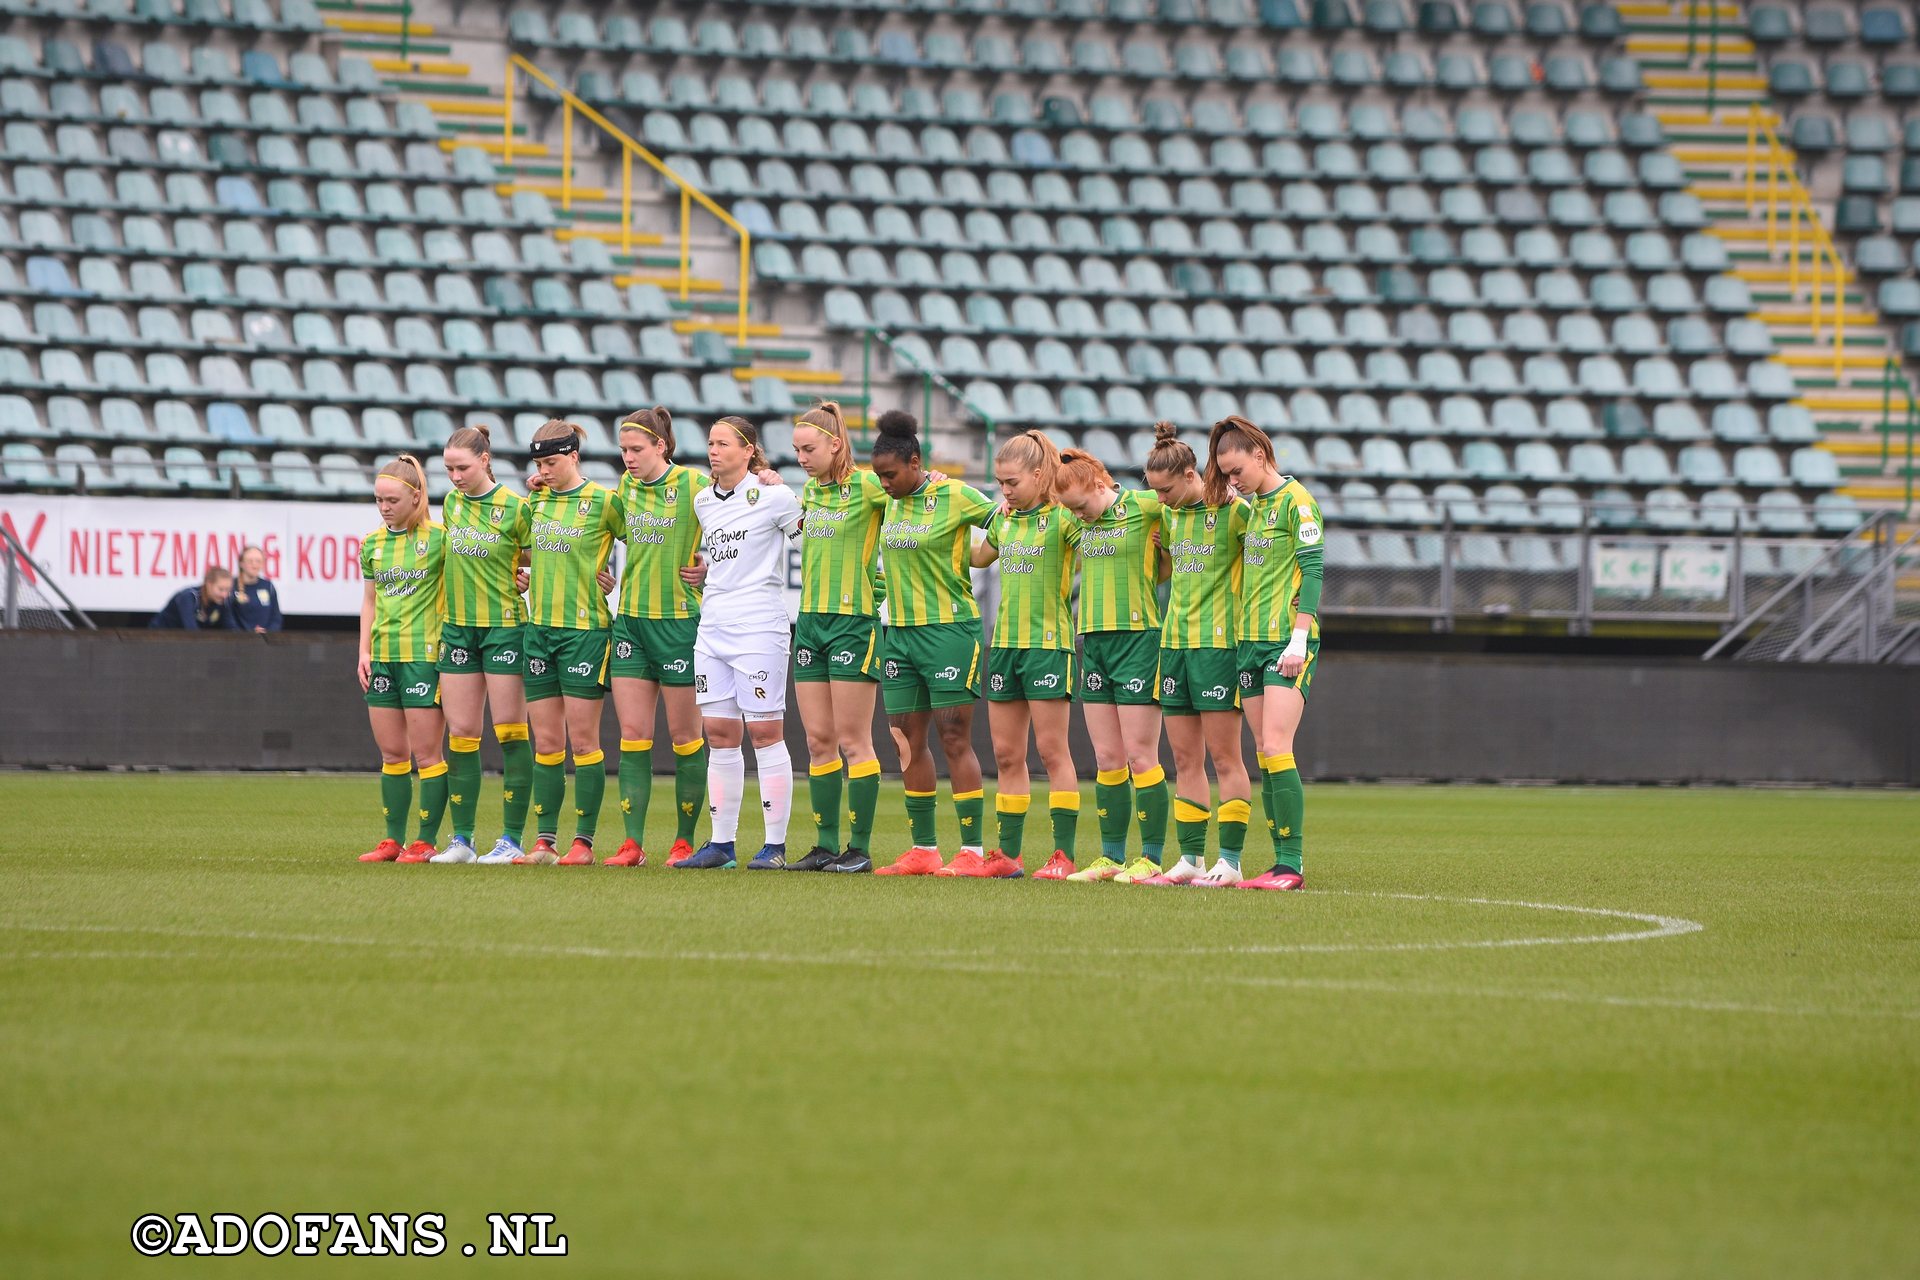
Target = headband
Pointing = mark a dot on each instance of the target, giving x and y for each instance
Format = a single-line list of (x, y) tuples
[(568, 443), (743, 435), (641, 426)]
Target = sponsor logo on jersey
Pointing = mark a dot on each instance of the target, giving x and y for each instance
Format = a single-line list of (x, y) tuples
[(1217, 691), (458, 657), (678, 666), (580, 669), (1049, 681), (507, 655), (759, 694), (844, 658), (947, 673), (623, 650), (758, 676), (1135, 685), (420, 689), (1309, 532)]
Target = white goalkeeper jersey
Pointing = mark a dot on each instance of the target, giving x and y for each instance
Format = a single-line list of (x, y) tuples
[(745, 533)]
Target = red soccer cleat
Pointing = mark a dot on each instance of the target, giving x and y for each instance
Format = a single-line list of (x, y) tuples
[(917, 861), (680, 852), (385, 851), (630, 855), (1000, 867), (1058, 867), (965, 863), (1277, 878), (580, 855), (543, 854), (418, 851)]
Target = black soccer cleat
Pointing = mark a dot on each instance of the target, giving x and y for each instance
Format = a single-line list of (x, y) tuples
[(818, 858), (853, 861)]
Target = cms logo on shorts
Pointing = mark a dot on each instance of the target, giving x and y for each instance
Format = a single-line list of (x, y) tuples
[(844, 658), (381, 684), (678, 666), (947, 673), (623, 650), (1134, 685), (420, 690), (508, 656), (458, 657), (1217, 693), (580, 669), (1048, 681), (536, 666)]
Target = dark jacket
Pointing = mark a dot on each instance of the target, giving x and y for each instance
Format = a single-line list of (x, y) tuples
[(185, 612), (255, 606)]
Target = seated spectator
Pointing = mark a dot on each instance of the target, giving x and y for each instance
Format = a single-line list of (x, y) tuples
[(206, 607), (256, 605)]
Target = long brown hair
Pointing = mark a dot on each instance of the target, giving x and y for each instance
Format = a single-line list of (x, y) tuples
[(1170, 454), (1238, 435), (1033, 451), (477, 440), (827, 418), (656, 422), (750, 436), (407, 470)]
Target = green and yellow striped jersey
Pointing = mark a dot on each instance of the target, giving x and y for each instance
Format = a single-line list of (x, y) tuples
[(1119, 565), (1281, 525), (926, 545), (837, 561), (573, 535), (1036, 577), (1203, 597), (485, 536), (406, 570), (663, 537)]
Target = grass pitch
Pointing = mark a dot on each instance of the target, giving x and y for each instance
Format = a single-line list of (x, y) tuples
[(207, 1005)]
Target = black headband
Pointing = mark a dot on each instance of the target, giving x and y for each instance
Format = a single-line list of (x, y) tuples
[(568, 443)]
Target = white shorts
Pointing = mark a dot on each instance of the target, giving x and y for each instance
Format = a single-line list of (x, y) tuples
[(742, 670)]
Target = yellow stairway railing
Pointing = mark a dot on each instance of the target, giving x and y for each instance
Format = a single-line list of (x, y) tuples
[(689, 194), (1784, 195)]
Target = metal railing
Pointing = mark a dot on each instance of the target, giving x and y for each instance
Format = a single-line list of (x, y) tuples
[(1801, 618), (689, 194), (1783, 186), (24, 584), (929, 378)]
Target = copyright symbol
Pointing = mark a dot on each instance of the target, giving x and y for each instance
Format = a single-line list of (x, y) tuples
[(151, 1235)]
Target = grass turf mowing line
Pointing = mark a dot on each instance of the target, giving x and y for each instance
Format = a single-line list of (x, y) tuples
[(249, 1020)]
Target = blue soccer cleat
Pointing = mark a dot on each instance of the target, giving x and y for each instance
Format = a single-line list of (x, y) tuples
[(711, 857), (771, 857)]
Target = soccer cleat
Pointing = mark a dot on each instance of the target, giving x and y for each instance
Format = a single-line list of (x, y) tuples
[(579, 855), (505, 852), (385, 851), (1277, 877), (1102, 868), (680, 852), (418, 851), (1181, 872), (853, 861), (711, 857), (630, 855), (772, 857), (543, 854), (457, 850), (917, 861), (966, 863), (1058, 867), (1222, 875), (1000, 867), (1139, 871), (818, 858)]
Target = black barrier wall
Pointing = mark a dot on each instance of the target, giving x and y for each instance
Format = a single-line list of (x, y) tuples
[(146, 699)]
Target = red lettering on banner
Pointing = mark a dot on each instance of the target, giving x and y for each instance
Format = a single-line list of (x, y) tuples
[(303, 558), (27, 543), (154, 569)]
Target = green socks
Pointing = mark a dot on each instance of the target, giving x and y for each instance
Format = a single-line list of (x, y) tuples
[(396, 798), (1289, 812), (1190, 820), (549, 790), (1150, 806), (433, 801), (1012, 815), (463, 777), (636, 786), (1233, 829), (516, 781), (589, 789), (1064, 808), (689, 787), (823, 789), (971, 808), (1113, 800), (863, 797), (920, 820)]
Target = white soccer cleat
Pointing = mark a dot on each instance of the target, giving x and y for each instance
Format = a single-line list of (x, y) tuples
[(457, 850), (502, 854), (1182, 872), (1222, 875)]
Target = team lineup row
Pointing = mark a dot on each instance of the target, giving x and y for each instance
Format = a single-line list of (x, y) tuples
[(502, 607)]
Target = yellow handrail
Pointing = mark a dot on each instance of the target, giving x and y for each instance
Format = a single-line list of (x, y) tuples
[(629, 148), (1783, 181)]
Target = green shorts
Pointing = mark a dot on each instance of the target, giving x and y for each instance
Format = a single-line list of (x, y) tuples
[(1029, 675), (403, 684), (657, 649), (835, 646), (1260, 667), (1196, 680), (1120, 666), (561, 660), (493, 651), (936, 665)]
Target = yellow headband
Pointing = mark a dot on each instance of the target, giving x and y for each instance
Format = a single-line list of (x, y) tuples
[(631, 425), (402, 479), (743, 435)]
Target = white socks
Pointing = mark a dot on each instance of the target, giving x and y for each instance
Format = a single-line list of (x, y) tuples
[(726, 779), (775, 767)]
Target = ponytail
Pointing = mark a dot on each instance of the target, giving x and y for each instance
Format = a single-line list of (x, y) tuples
[(407, 470)]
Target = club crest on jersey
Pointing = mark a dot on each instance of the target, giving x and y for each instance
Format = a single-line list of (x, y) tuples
[(420, 547), (1043, 522), (495, 514), (673, 494), (753, 496), (586, 505), (932, 501), (1273, 518), (846, 493), (1212, 519)]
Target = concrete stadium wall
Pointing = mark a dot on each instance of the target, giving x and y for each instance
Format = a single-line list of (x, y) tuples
[(142, 699)]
